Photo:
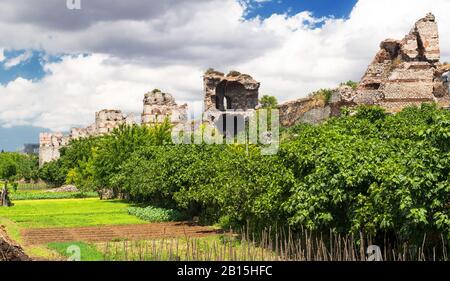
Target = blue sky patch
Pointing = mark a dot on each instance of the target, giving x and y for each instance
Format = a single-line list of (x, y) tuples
[(319, 8), (28, 64)]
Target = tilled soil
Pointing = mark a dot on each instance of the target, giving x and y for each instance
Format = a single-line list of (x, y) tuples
[(38, 236)]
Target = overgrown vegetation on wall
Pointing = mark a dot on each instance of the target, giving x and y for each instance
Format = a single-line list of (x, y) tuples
[(368, 172)]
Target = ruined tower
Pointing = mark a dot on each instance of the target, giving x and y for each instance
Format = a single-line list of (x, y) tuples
[(229, 100), (159, 105), (49, 146), (407, 72), (234, 91)]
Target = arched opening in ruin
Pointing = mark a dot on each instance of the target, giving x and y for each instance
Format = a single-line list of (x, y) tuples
[(227, 95)]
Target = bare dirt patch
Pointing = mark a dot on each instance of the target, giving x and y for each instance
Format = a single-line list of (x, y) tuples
[(39, 236)]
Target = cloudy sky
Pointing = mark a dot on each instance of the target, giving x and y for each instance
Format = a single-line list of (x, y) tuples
[(58, 66)]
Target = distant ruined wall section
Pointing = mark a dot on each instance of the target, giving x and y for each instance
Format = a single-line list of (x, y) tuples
[(105, 122), (49, 146), (157, 106), (307, 110)]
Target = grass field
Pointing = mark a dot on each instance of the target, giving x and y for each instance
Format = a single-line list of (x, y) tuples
[(88, 252), (68, 213)]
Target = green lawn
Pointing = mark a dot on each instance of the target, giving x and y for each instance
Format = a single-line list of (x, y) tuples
[(88, 252), (69, 213)]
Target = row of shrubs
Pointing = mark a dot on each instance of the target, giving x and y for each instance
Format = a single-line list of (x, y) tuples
[(153, 214), (368, 172), (51, 195)]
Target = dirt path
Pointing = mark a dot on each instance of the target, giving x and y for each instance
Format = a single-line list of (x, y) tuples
[(38, 236)]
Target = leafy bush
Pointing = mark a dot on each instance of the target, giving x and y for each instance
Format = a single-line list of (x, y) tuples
[(153, 214), (268, 102), (16, 166)]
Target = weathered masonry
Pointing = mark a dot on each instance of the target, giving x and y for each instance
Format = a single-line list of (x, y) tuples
[(105, 121), (403, 73), (230, 98)]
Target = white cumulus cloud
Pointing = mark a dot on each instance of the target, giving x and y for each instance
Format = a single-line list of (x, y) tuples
[(142, 45)]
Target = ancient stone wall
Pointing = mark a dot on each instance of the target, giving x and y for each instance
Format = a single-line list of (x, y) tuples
[(159, 105), (49, 145), (303, 110), (406, 72), (105, 121)]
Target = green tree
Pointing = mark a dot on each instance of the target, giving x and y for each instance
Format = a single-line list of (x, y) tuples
[(268, 102)]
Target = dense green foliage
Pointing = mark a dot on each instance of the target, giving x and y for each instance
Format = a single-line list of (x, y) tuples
[(16, 166), (90, 163), (153, 214), (268, 101), (367, 172)]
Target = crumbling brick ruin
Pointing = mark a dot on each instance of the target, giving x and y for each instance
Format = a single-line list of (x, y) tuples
[(403, 73), (234, 91), (49, 146), (105, 121), (406, 72), (159, 105), (229, 98)]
